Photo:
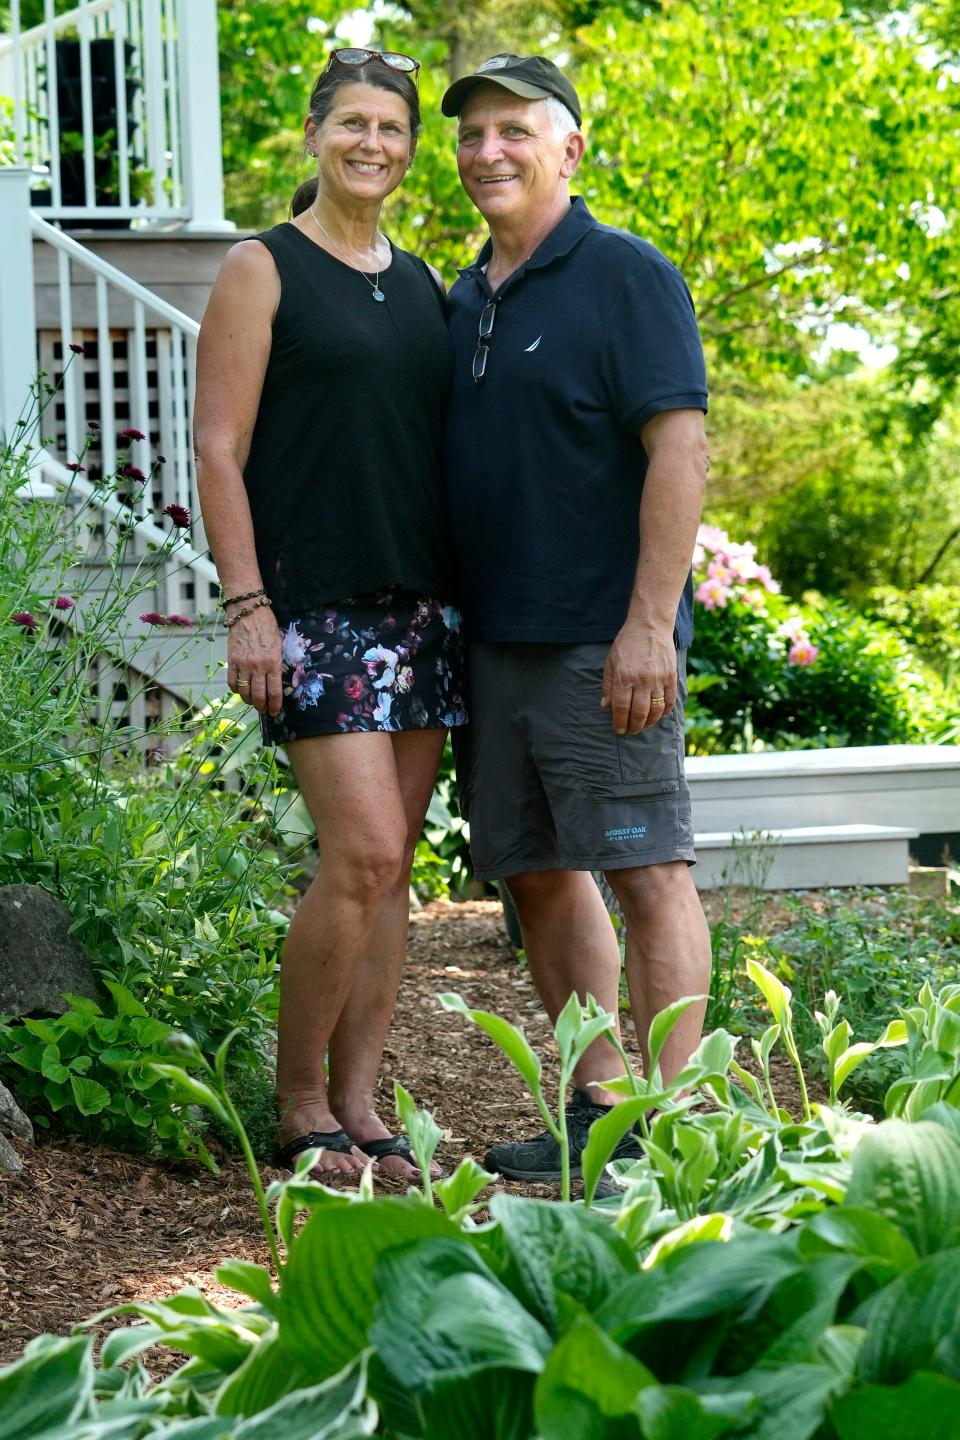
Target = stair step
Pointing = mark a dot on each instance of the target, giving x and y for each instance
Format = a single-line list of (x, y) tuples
[(809, 857), (866, 784)]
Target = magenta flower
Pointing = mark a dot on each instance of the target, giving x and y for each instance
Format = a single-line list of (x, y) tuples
[(78, 350), (132, 472), (179, 514), (712, 538), (24, 618), (151, 617), (717, 571), (62, 602), (76, 468), (131, 434), (711, 594), (183, 620), (802, 653)]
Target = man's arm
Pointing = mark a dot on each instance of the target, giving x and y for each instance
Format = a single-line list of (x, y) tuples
[(642, 662)]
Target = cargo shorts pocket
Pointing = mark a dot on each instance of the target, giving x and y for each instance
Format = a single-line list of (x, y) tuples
[(634, 816)]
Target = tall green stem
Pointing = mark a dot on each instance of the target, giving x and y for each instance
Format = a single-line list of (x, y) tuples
[(563, 1139), (254, 1173)]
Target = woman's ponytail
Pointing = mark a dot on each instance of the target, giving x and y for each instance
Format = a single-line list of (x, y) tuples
[(303, 197)]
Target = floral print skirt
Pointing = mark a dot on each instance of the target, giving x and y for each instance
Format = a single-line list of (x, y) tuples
[(391, 661)]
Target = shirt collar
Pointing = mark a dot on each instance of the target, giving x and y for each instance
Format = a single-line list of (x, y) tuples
[(560, 241)]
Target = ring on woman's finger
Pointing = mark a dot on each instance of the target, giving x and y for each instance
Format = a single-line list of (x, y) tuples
[(657, 700)]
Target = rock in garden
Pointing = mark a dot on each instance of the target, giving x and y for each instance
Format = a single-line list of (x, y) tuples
[(9, 1159), (39, 959), (12, 1119)]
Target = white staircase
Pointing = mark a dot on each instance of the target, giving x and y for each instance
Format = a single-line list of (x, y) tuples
[(156, 62), (810, 857), (806, 819)]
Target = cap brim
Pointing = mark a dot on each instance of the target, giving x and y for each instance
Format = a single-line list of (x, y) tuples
[(452, 102)]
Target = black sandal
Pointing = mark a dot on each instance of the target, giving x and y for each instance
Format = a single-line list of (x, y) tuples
[(390, 1145), (337, 1140)]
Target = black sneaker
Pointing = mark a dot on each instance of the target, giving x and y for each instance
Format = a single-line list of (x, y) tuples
[(539, 1157)]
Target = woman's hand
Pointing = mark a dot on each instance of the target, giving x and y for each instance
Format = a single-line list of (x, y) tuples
[(254, 661)]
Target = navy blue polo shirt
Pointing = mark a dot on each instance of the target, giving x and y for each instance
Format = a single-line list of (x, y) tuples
[(593, 336)]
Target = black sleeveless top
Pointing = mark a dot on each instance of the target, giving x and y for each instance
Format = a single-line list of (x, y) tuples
[(344, 471)]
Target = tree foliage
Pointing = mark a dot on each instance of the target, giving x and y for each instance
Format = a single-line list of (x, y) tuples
[(270, 52)]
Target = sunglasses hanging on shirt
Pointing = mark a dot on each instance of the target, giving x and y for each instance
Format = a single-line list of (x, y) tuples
[(484, 333)]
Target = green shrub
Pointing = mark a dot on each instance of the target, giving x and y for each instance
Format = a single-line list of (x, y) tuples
[(928, 617), (874, 950), (93, 1074), (791, 676), (169, 863)]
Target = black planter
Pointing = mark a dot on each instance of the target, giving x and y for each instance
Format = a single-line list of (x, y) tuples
[(103, 98)]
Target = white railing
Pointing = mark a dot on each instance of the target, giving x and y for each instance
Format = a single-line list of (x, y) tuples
[(128, 334), (116, 110)]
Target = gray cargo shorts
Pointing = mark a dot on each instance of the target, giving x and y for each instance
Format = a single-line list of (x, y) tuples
[(544, 781)]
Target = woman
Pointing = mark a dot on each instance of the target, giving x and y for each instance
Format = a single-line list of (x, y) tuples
[(322, 376)]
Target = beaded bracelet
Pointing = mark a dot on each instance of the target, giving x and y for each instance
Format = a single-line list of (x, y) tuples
[(247, 610), (235, 599)]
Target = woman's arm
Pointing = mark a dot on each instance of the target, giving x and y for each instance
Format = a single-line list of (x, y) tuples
[(232, 355)]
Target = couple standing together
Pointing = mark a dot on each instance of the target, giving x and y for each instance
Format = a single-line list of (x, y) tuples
[(376, 458)]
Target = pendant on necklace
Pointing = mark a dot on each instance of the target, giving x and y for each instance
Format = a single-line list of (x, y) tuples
[(378, 294)]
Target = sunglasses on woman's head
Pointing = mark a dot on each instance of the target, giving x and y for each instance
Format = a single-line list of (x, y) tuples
[(392, 58)]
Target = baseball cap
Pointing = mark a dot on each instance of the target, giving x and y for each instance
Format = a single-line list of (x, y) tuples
[(533, 77)]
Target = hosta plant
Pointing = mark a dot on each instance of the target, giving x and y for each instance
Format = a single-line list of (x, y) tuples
[(755, 1274)]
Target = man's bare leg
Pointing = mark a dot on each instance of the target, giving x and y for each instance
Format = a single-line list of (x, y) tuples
[(571, 946), (668, 953)]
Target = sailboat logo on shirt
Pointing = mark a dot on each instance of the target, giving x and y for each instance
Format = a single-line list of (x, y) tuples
[(530, 348)]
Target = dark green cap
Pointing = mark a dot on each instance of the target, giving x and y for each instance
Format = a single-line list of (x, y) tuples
[(533, 77)]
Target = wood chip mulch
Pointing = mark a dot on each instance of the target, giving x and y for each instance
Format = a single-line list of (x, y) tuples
[(82, 1227)]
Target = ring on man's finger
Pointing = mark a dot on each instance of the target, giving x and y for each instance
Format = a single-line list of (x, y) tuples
[(244, 683), (657, 700)]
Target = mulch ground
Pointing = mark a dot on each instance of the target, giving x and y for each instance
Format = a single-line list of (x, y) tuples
[(83, 1228)]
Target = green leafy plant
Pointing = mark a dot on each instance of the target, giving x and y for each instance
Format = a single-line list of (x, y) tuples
[(93, 1073), (167, 862), (576, 1029), (750, 1267)]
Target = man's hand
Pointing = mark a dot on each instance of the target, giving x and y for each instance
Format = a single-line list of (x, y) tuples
[(640, 677)]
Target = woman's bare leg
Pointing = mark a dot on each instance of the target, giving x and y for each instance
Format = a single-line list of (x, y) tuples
[(350, 786), (356, 1045)]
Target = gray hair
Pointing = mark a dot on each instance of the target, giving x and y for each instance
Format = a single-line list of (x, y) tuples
[(562, 122)]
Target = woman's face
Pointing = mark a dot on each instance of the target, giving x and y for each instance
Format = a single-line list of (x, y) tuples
[(364, 145)]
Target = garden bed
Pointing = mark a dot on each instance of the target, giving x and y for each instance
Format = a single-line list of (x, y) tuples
[(83, 1227)]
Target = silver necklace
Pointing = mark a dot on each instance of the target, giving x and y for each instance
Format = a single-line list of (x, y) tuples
[(378, 294)]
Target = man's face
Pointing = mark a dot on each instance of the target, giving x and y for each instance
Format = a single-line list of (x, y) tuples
[(510, 161)]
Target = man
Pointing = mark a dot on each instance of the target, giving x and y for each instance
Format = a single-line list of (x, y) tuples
[(577, 461)]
